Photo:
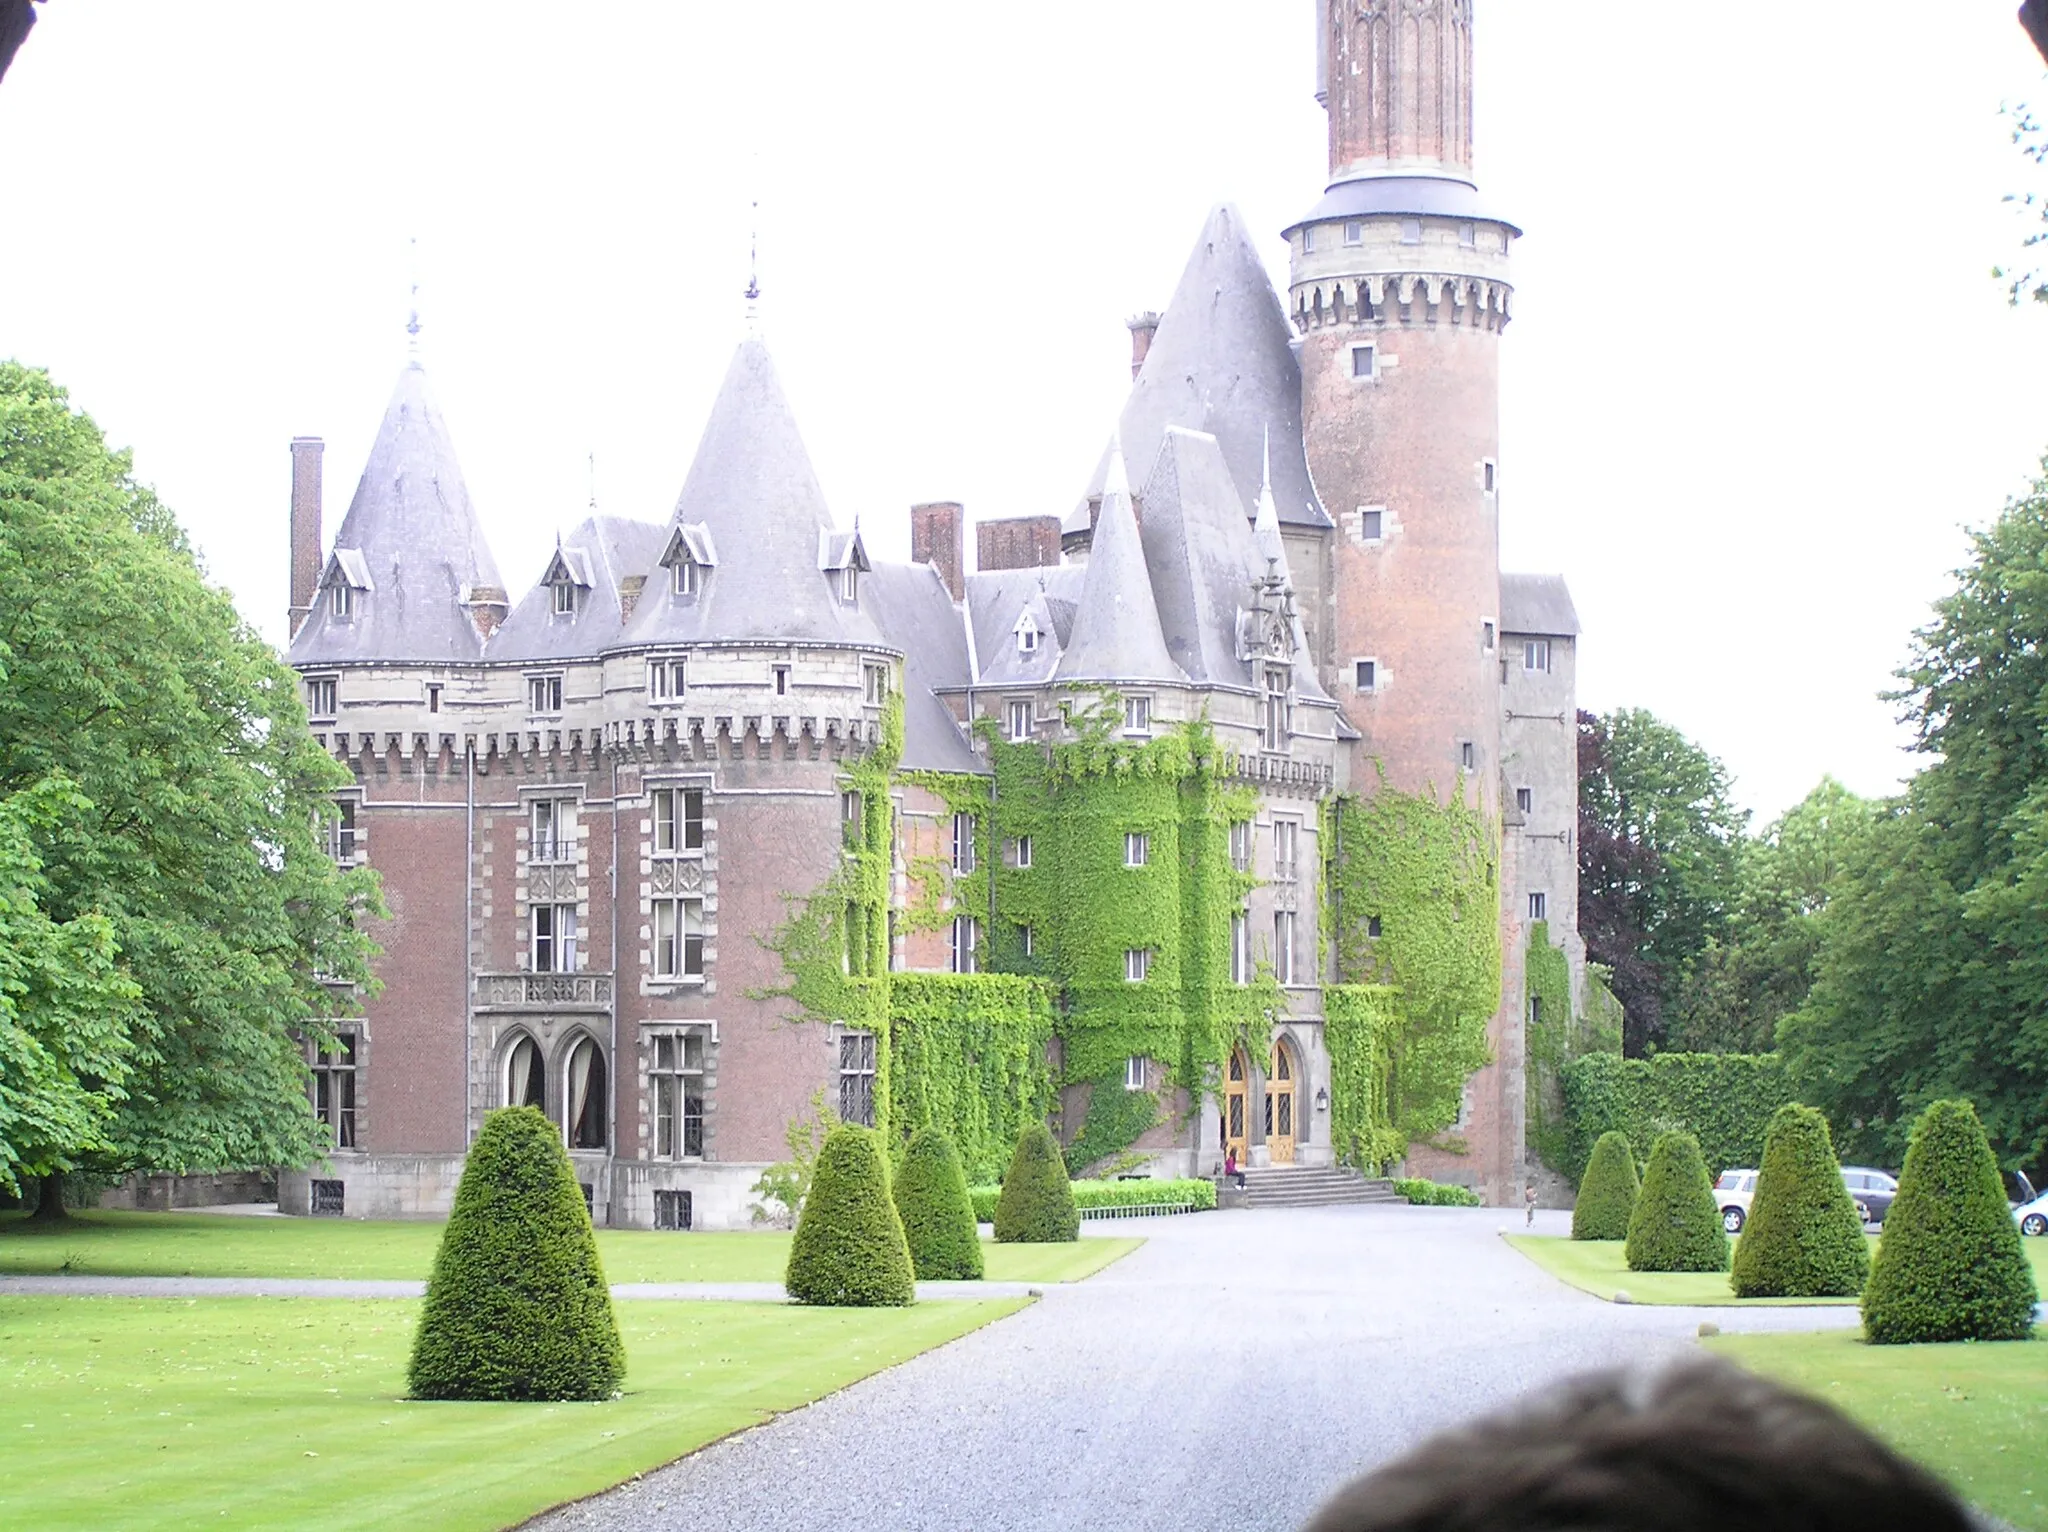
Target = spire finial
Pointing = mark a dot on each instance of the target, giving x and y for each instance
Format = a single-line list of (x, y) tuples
[(754, 273), (412, 322), (593, 479)]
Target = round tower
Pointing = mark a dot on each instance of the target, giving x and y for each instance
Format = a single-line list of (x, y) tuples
[(1399, 293)]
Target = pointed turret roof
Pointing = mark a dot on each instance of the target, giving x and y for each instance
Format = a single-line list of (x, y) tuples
[(1222, 362), (1116, 634), (779, 557), (414, 541)]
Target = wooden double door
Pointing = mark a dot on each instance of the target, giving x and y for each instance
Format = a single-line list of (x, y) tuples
[(1279, 1104)]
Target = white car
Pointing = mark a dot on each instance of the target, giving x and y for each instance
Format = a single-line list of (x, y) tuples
[(2033, 1216), (1732, 1195), (1872, 1191)]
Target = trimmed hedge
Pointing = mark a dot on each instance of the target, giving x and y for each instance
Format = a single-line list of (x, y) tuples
[(1148, 1191), (1607, 1195), (938, 1219), (1950, 1266), (1436, 1194), (1037, 1203), (517, 1306), (1676, 1226), (849, 1250), (1802, 1238), (1725, 1100)]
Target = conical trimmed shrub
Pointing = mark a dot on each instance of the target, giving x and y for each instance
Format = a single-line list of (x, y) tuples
[(1676, 1226), (517, 1306), (849, 1250), (1607, 1191), (1803, 1238), (1950, 1266), (1037, 1204), (937, 1213)]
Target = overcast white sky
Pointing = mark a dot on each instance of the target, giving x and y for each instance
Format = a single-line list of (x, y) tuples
[(1759, 379)]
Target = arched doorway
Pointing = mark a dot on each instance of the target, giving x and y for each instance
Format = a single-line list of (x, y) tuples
[(583, 1101), (1237, 1103), (1280, 1082), (526, 1077)]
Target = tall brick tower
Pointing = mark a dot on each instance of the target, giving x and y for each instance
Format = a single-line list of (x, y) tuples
[(1399, 293)]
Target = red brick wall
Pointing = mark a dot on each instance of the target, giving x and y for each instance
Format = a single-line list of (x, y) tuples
[(1019, 542)]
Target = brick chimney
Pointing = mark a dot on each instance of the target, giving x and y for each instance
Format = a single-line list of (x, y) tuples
[(306, 548), (1017, 542), (1142, 327), (935, 540)]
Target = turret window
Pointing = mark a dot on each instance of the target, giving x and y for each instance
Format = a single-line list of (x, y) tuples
[(667, 679), (544, 695), (320, 695), (565, 598), (1365, 362), (1137, 715), (1411, 231), (1308, 239), (874, 683), (684, 577), (1027, 635), (1354, 232), (849, 585), (341, 601)]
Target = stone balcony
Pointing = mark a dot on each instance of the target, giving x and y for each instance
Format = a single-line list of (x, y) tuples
[(544, 992)]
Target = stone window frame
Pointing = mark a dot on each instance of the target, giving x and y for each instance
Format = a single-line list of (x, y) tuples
[(682, 875), (544, 693), (1367, 353), (668, 679), (1536, 655), (323, 694), (1242, 968), (326, 1069), (1286, 938), (858, 1054), (650, 1031), (1138, 715), (1022, 723), (1365, 675), (963, 943), (573, 1040), (1539, 905), (562, 880)]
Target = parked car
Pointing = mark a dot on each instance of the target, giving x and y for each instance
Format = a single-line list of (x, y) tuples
[(2033, 1216), (1872, 1190), (2018, 1188), (1732, 1194)]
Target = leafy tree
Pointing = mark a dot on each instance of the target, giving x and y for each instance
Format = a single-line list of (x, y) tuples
[(850, 1249), (1803, 1238), (1676, 1226), (195, 833), (1607, 1195), (1037, 1204), (1658, 841), (517, 1305), (1950, 1267), (938, 1215)]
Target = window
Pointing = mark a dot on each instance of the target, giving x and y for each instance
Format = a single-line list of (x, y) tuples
[(668, 679), (433, 697), (1026, 942), (1489, 476), (565, 599), (875, 684), (1241, 845), (554, 830), (1137, 964), (857, 1078), (544, 694), (1525, 799), (1308, 240), (1536, 654), (1536, 907), (672, 1211), (1134, 1074), (782, 680), (1354, 232), (1372, 525), (554, 938), (1411, 231), (1137, 849), (676, 1079), (583, 1103), (850, 820), (1283, 946), (1023, 851), (1535, 1010), (320, 696), (963, 843), (526, 1081), (1468, 236), (849, 584), (1372, 925), (683, 577), (1487, 637), (341, 833), (327, 1198), (966, 945), (1240, 948), (678, 819), (1020, 719), (1286, 849), (1137, 715), (679, 938), (1278, 723), (1366, 675), (1027, 636), (1468, 755), (334, 1090), (1364, 361), (341, 601)]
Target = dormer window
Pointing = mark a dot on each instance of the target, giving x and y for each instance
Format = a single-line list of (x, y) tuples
[(689, 557), (341, 601), (849, 585), (684, 580), (565, 599), (1027, 635)]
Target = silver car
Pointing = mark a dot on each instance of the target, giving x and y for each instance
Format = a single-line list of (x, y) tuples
[(1732, 1195)]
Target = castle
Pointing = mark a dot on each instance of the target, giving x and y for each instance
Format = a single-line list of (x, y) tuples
[(724, 817)]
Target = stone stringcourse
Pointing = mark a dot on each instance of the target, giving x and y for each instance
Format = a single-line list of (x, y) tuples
[(1950, 1266), (1802, 1238), (938, 1216), (517, 1306), (1676, 1226), (850, 1250), (1037, 1202), (1607, 1195)]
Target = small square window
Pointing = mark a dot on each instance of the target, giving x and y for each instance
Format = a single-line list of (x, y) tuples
[(1366, 675), (544, 695), (320, 692), (1134, 1074), (1023, 852), (668, 679), (1468, 755), (1137, 715), (1020, 719), (1372, 525), (1525, 799), (565, 599), (1411, 231), (1137, 964), (1365, 361), (1536, 654), (1354, 232), (1137, 849), (1536, 907)]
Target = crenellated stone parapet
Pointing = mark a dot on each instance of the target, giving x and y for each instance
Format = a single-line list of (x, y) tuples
[(1401, 298)]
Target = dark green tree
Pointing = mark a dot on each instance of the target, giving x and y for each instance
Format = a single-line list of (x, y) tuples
[(937, 1213), (196, 829), (517, 1306), (1037, 1204), (1607, 1194), (1676, 1226), (1950, 1266), (1802, 1238), (1658, 840), (850, 1250)]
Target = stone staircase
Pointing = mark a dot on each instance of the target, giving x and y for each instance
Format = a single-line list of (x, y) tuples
[(1302, 1186)]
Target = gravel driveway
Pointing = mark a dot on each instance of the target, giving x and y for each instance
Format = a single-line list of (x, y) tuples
[(1229, 1374)]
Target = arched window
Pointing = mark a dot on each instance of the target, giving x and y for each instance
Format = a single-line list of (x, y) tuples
[(583, 1102), (526, 1077)]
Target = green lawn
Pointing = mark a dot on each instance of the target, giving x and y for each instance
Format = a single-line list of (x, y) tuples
[(1597, 1266), (1977, 1414), (223, 1245), (263, 1413)]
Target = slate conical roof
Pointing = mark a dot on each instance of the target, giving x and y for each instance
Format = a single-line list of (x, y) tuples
[(414, 535), (752, 487), (1222, 362), (1116, 634)]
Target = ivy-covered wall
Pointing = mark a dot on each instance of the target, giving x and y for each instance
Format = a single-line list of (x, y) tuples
[(1359, 1023), (1548, 1038), (1725, 1100), (967, 1053)]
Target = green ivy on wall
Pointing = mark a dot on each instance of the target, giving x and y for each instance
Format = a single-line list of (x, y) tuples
[(1413, 902), (1116, 1118), (1725, 1100), (1548, 1036), (1359, 1022), (967, 1053)]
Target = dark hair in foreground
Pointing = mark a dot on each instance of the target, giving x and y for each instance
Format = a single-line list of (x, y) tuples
[(1700, 1445)]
